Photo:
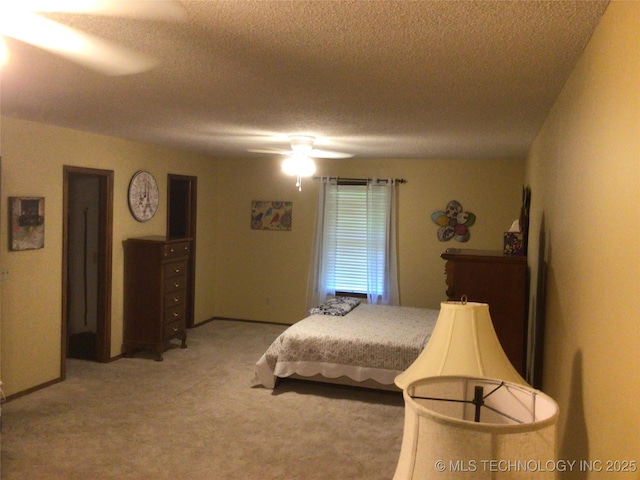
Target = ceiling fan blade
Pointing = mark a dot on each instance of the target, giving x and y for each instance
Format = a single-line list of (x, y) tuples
[(167, 10), (275, 151), (88, 50), (313, 153), (328, 154)]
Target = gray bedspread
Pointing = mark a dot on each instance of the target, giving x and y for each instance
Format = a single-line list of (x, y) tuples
[(374, 342)]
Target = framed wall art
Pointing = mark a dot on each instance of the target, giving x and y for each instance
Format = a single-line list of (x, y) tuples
[(26, 231), (271, 215)]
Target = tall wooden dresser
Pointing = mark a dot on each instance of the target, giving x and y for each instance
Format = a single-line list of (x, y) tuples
[(501, 281), (156, 287)]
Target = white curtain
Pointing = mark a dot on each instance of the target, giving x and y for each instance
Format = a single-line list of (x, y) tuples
[(320, 284), (382, 275), (382, 268)]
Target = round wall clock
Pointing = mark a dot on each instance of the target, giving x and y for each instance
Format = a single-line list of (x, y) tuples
[(143, 196)]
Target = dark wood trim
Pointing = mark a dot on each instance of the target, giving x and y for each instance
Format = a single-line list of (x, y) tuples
[(33, 389), (105, 260), (232, 319), (246, 320)]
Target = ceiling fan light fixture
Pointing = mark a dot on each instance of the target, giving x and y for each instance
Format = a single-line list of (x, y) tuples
[(299, 165), (301, 143)]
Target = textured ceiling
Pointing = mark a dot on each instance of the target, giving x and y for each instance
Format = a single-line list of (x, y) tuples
[(376, 79)]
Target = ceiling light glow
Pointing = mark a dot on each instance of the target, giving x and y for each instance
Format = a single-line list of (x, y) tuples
[(4, 52), (299, 165)]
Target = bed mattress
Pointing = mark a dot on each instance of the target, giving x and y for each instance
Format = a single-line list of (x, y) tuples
[(371, 342)]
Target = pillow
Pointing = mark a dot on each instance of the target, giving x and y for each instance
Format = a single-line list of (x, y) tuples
[(337, 306)]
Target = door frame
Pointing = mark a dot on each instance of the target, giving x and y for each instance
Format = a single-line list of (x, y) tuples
[(105, 248)]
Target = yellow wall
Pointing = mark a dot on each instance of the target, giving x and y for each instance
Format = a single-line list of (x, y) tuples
[(584, 170), (262, 275), (33, 156), (237, 268)]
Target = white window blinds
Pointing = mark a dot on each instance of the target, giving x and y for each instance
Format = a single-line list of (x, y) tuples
[(350, 273), (360, 219)]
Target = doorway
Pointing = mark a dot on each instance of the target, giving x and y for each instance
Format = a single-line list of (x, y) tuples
[(181, 223), (86, 269)]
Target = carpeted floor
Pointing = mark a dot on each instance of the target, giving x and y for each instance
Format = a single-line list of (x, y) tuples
[(195, 416)]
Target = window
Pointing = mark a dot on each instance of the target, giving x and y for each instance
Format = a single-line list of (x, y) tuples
[(355, 242), (351, 254)]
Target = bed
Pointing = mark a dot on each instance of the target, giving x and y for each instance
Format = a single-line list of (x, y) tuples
[(367, 346)]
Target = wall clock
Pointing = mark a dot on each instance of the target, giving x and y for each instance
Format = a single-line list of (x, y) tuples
[(143, 196)]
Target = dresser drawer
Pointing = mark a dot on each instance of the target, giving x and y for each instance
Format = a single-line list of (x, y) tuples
[(175, 298), (175, 283), (177, 250), (174, 269), (174, 313), (173, 328)]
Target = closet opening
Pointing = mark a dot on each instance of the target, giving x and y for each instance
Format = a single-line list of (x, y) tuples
[(87, 246)]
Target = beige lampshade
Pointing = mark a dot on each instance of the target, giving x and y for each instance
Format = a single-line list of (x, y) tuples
[(515, 436), (463, 342)]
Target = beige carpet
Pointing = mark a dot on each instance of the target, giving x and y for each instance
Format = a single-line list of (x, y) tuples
[(195, 416)]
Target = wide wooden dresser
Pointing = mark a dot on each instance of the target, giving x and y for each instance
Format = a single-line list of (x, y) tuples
[(501, 281), (156, 287)]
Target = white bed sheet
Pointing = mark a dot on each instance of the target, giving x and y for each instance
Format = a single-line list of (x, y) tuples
[(372, 342)]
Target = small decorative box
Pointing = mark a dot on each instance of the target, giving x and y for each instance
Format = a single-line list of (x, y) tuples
[(513, 243)]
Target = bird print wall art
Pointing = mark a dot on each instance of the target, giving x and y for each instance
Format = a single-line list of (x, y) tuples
[(271, 215)]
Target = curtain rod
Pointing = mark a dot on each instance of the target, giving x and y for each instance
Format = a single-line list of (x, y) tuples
[(358, 181)]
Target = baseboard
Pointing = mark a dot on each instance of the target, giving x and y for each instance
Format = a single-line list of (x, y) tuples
[(241, 320), (33, 389)]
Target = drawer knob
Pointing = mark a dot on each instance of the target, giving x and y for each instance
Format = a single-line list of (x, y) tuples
[(175, 314), (175, 299), (177, 270), (176, 284), (175, 329)]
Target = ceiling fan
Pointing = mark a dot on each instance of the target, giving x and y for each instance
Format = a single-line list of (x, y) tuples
[(299, 161), (20, 19), (303, 144)]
